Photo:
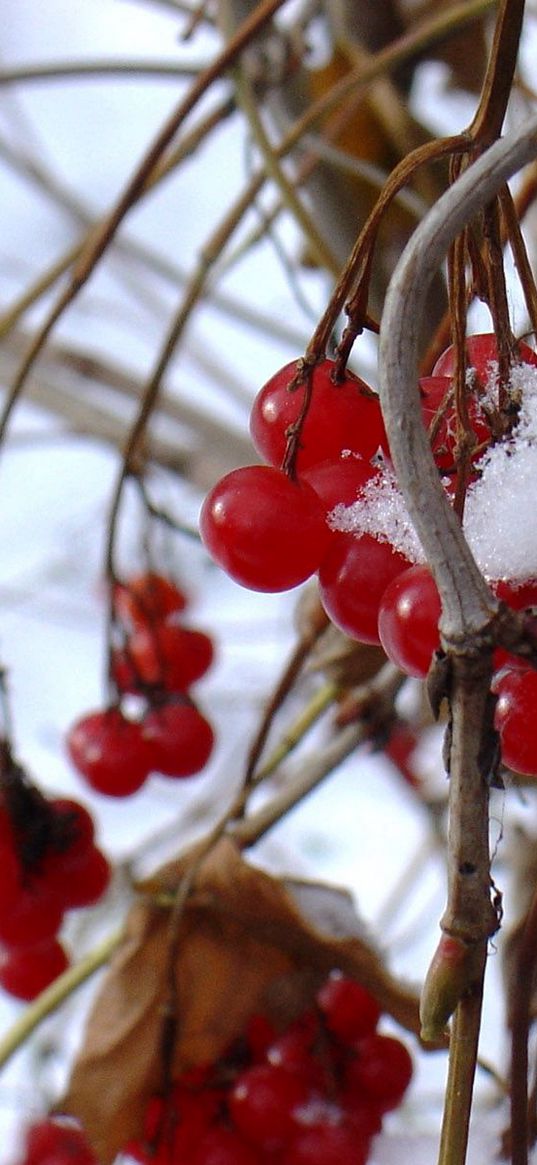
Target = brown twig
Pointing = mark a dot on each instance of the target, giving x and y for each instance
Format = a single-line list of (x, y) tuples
[(101, 236)]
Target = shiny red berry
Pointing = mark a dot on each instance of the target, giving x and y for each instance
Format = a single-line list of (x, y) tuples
[(266, 531), (341, 415), (110, 752)]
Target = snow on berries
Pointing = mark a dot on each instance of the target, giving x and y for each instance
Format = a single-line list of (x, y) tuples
[(268, 529), (324, 438)]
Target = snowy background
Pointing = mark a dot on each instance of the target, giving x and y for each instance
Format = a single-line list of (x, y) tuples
[(362, 829)]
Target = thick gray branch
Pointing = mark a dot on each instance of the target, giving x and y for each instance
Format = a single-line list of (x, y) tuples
[(467, 603)]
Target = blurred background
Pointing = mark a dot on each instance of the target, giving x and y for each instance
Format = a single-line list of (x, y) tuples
[(83, 91)]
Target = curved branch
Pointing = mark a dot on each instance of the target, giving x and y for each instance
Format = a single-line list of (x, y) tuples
[(467, 603), (454, 982)]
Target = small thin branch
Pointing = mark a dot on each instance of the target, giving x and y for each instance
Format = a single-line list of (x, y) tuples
[(525, 963), (76, 70), (284, 686), (102, 235), (52, 998)]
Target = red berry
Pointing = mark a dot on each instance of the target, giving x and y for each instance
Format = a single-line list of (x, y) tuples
[(352, 579), (515, 719), (259, 1033), (327, 1144), (55, 1142), (86, 881), (79, 821), (192, 1112), (147, 599), (481, 352), (349, 1010), (293, 1052), (222, 1146), (110, 752), (10, 882), (408, 620), (518, 597), (29, 913), (168, 655), (26, 972), (380, 1072), (339, 482), (263, 1102), (343, 415), (268, 532), (400, 748), (441, 420), (179, 738)]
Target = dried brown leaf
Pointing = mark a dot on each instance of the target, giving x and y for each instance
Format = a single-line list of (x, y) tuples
[(248, 943)]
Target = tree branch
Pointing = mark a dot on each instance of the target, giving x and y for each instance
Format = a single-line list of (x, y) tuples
[(469, 623)]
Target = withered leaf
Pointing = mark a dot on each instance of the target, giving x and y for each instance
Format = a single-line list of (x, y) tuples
[(247, 942)]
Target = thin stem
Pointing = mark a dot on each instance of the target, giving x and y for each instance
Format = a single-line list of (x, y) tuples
[(319, 703), (487, 123), (52, 998), (101, 237), (285, 684), (461, 1073), (247, 100), (520, 1026), (59, 71)]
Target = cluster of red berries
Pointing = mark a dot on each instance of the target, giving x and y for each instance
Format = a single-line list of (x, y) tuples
[(53, 1141), (312, 1095), (157, 659), (270, 532), (408, 628), (50, 864), (410, 607)]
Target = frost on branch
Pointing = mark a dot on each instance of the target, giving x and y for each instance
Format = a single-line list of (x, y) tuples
[(247, 943)]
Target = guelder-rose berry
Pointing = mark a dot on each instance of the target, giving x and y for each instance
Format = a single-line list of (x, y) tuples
[(327, 1144), (179, 738), (110, 752), (515, 719), (341, 415), (381, 1071), (352, 579), (439, 415), (263, 1103), (408, 620), (55, 1142), (168, 655), (29, 913), (147, 599), (340, 482), (222, 1146), (266, 531), (350, 1011), (481, 352), (26, 972)]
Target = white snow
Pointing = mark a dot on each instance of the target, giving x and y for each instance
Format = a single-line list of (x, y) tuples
[(500, 517)]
